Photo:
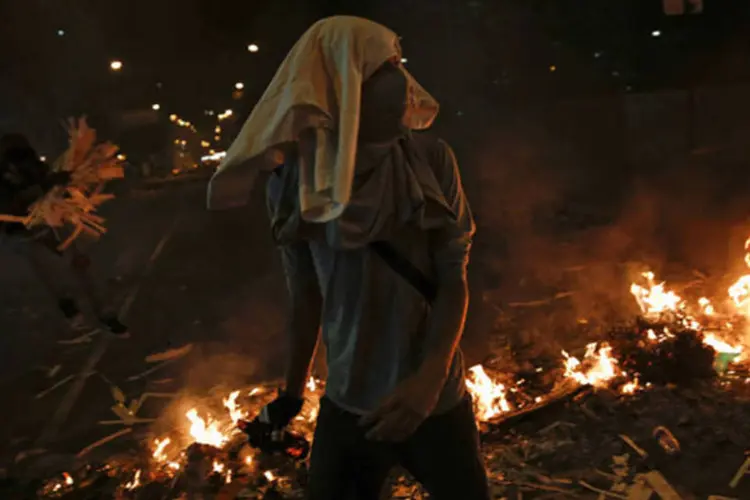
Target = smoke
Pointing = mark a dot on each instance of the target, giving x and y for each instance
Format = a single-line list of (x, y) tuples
[(563, 232)]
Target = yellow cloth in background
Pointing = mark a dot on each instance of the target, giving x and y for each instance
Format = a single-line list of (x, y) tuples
[(318, 86)]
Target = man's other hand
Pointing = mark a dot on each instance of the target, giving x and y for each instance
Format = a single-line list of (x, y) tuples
[(401, 413)]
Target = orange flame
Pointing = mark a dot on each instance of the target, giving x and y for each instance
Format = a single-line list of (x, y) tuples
[(235, 412), (160, 445), (597, 369), (654, 300), (488, 396), (135, 482), (719, 345), (630, 387), (205, 431)]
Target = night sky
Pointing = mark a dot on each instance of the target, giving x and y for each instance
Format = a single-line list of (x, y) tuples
[(481, 58)]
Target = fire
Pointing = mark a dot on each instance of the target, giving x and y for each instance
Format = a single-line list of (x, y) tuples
[(311, 385), (739, 292), (597, 369), (654, 300), (205, 431), (659, 337), (630, 387), (719, 345), (135, 482), (68, 479), (235, 412), (706, 306), (489, 396), (160, 445), (218, 467)]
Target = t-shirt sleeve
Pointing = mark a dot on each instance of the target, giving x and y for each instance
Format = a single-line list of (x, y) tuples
[(452, 243)]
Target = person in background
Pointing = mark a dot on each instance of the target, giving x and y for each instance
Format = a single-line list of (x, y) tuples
[(375, 232), (24, 179)]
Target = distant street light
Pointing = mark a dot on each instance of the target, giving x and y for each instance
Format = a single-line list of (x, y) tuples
[(156, 107), (253, 48), (115, 65), (656, 33), (239, 85), (60, 32)]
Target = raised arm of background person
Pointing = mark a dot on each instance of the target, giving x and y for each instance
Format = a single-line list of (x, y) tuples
[(303, 320)]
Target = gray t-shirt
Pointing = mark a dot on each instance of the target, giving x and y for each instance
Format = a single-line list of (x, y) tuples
[(374, 323)]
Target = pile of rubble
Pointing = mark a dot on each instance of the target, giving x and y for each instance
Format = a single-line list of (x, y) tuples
[(659, 409)]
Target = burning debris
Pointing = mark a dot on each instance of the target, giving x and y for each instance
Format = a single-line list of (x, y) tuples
[(219, 451)]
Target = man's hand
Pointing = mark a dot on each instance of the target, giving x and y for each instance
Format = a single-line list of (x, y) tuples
[(406, 408), (281, 410)]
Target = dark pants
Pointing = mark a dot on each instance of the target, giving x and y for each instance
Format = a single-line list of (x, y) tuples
[(443, 455), (48, 263)]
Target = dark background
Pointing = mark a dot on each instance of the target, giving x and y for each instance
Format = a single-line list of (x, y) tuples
[(483, 60), (633, 150)]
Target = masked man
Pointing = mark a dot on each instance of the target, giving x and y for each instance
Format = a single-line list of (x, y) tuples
[(375, 232)]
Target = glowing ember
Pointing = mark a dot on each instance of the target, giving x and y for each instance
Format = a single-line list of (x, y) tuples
[(597, 368), (136, 481), (659, 337), (630, 387), (205, 431), (218, 467), (311, 385), (269, 476), (706, 306), (68, 479), (488, 396)]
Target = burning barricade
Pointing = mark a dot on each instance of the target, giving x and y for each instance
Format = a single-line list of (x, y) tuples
[(218, 450)]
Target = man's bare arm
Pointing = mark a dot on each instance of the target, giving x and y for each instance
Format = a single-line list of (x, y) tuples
[(303, 324), (446, 325), (451, 247)]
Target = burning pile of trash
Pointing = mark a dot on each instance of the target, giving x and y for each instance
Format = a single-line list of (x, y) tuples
[(208, 452)]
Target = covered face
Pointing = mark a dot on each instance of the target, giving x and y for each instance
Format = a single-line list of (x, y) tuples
[(384, 104), (344, 73)]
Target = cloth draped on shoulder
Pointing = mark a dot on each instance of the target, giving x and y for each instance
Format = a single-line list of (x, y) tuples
[(393, 185), (318, 88)]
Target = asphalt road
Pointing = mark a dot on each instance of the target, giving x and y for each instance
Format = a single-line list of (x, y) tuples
[(192, 276)]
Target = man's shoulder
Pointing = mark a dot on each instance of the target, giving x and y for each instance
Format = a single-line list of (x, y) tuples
[(438, 154), (431, 144)]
